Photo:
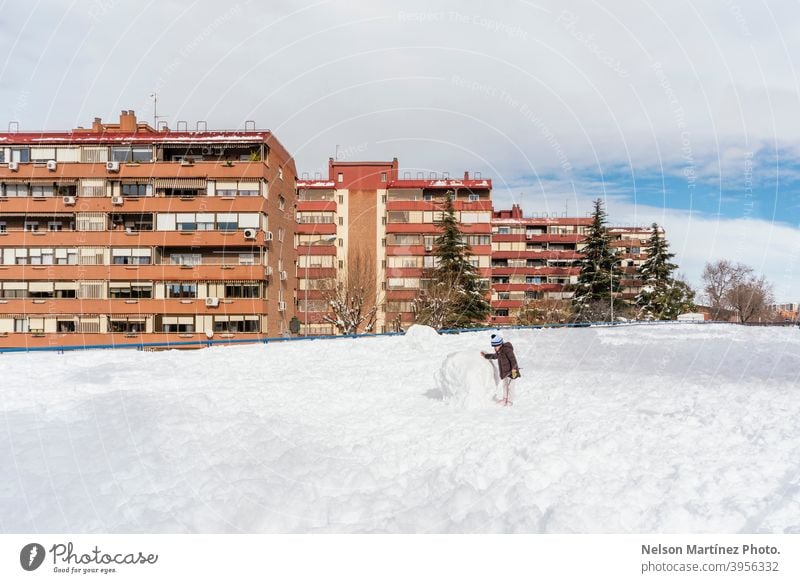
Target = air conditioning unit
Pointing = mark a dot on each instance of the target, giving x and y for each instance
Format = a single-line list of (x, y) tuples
[(117, 200), (268, 271), (69, 200), (13, 166), (284, 275), (212, 302), (51, 165), (281, 306), (428, 248), (250, 234), (529, 235), (268, 236), (112, 166)]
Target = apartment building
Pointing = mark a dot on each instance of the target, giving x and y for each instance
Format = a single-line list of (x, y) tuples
[(367, 213), (538, 258), (121, 233)]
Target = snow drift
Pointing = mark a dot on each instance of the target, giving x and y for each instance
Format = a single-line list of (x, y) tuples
[(680, 428)]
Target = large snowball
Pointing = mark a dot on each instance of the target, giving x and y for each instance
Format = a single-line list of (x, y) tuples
[(421, 337), (467, 380)]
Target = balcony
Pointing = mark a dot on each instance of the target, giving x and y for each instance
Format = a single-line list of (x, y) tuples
[(55, 204), (433, 229), (65, 306), (146, 272), (428, 205), (122, 238), (316, 229)]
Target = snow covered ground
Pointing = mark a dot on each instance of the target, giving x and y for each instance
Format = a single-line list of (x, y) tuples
[(679, 428)]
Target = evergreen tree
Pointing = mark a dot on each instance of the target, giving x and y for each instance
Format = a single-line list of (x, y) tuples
[(595, 283), (455, 281), (662, 297)]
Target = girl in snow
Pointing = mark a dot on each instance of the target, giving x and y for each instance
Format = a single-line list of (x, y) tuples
[(504, 355)]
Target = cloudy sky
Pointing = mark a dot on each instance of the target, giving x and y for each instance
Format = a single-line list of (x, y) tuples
[(685, 113)]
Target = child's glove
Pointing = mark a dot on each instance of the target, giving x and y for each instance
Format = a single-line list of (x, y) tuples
[(515, 374)]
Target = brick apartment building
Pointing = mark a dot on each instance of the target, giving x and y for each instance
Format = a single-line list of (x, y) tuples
[(364, 211), (366, 208), (120, 233), (537, 258)]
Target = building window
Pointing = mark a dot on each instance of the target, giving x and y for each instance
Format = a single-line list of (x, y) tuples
[(427, 197), (31, 226), (340, 177), (3, 228), (63, 326), (179, 327), (280, 172), (236, 326), (40, 190), (54, 226), (341, 221), (20, 154), (383, 176), (341, 199), (139, 189), (226, 225), (181, 290), (502, 312), (130, 291), (129, 154), (247, 290), (341, 243), (16, 190), (186, 258), (281, 202)]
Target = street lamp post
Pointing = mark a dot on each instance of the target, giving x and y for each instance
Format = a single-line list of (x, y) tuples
[(612, 293)]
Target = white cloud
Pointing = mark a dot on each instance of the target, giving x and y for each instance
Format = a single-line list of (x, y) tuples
[(513, 90)]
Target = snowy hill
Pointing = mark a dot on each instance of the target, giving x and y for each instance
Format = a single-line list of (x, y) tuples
[(636, 429)]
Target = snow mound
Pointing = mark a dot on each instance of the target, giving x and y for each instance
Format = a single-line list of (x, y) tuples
[(421, 337), (466, 380)]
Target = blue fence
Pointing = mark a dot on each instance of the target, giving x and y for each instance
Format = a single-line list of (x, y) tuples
[(208, 343)]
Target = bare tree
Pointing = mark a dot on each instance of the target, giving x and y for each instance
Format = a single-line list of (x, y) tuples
[(751, 299), (434, 305), (719, 279), (352, 299), (544, 312)]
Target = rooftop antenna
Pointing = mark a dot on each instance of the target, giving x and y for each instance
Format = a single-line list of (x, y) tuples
[(156, 117)]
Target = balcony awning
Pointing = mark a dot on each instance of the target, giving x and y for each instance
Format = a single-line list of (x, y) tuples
[(180, 182)]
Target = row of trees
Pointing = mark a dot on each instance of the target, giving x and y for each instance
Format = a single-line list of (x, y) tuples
[(663, 296), (455, 298), (734, 288)]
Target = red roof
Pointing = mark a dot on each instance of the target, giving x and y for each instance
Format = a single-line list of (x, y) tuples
[(88, 137), (441, 183)]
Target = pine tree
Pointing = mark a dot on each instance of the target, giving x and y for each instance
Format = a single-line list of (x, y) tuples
[(662, 297), (455, 278), (595, 283)]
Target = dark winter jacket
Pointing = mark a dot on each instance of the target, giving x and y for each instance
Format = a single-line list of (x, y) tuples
[(505, 359)]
